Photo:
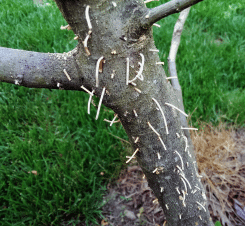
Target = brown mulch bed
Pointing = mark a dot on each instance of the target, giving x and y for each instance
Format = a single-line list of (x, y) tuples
[(131, 201), (221, 160)]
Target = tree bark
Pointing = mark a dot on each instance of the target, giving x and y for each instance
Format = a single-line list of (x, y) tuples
[(116, 60)]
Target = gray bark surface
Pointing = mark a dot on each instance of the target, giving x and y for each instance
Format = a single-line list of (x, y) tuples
[(165, 154), (178, 28)]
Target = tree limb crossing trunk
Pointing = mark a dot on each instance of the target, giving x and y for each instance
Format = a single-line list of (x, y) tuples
[(116, 60)]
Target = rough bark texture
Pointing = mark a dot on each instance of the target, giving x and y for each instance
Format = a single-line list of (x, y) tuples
[(166, 154)]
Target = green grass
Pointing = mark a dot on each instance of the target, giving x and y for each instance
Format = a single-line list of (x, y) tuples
[(217, 223), (210, 60), (50, 131)]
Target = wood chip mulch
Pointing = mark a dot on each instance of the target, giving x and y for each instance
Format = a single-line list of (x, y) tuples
[(130, 202)]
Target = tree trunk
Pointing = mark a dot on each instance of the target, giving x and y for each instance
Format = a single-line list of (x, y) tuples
[(116, 60)]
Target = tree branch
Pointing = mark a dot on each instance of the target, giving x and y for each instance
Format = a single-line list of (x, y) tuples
[(178, 28), (157, 13), (38, 70)]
